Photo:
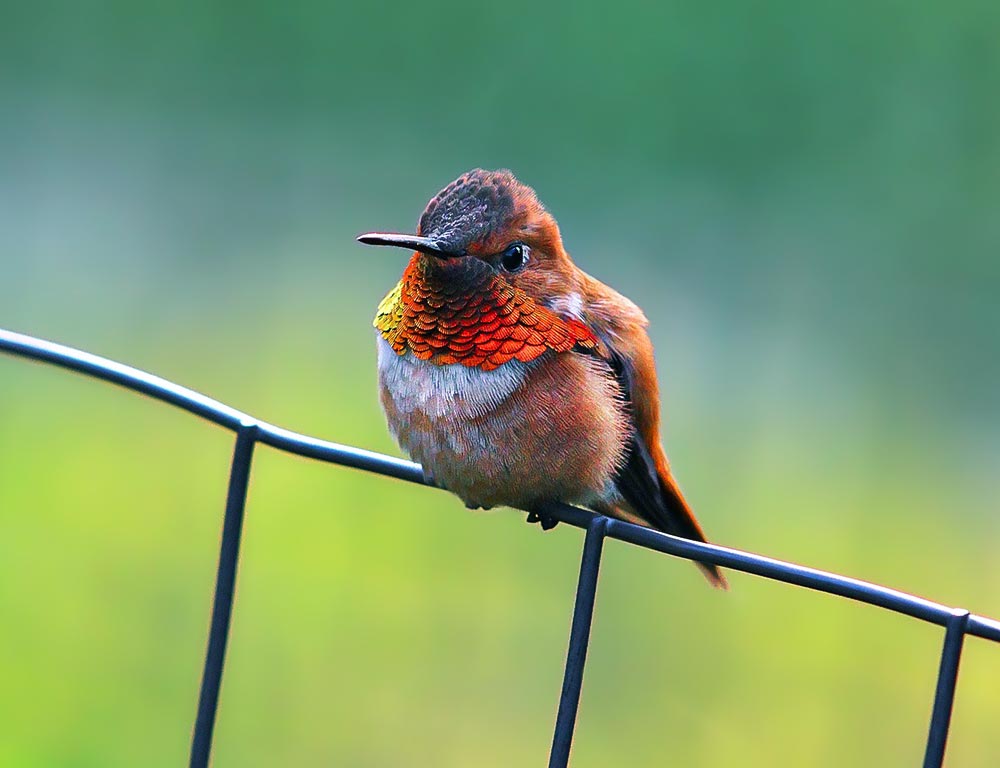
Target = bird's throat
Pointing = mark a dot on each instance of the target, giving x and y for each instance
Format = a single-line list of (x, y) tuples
[(463, 312)]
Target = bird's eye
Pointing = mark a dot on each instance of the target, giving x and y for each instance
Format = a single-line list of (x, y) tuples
[(514, 257)]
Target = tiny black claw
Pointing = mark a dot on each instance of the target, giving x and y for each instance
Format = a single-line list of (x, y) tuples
[(547, 523)]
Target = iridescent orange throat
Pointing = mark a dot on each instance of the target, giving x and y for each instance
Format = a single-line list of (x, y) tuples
[(463, 312)]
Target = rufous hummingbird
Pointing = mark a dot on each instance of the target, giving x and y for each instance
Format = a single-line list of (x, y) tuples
[(513, 377)]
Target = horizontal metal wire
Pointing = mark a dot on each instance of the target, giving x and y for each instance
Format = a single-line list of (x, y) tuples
[(958, 622), (358, 458)]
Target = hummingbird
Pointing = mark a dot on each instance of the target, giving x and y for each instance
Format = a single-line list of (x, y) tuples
[(515, 378)]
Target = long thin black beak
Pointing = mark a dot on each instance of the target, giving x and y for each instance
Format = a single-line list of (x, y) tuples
[(412, 242)]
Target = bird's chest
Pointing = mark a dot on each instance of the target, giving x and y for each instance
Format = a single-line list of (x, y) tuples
[(422, 396), (552, 428), (464, 425)]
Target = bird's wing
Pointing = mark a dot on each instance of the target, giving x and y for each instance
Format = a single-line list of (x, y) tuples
[(645, 480)]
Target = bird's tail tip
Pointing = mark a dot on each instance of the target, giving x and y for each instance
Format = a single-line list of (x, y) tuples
[(686, 524), (715, 576)]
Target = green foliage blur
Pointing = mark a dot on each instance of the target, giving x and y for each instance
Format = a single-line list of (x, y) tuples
[(803, 197)]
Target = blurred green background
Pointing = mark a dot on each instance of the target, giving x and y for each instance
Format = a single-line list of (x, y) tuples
[(803, 197)]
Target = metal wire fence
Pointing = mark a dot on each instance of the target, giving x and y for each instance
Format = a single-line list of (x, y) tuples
[(249, 432)]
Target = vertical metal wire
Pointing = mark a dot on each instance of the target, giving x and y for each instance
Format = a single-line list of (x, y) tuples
[(944, 696), (225, 584), (576, 657)]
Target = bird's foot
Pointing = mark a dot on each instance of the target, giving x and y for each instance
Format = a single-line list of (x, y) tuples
[(547, 523)]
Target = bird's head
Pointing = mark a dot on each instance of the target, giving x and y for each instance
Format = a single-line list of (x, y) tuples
[(488, 282), (489, 221)]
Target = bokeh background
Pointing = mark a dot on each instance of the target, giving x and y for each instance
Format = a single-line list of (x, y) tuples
[(803, 197)]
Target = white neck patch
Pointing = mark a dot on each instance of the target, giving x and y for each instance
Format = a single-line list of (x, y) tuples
[(440, 390), (570, 305)]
